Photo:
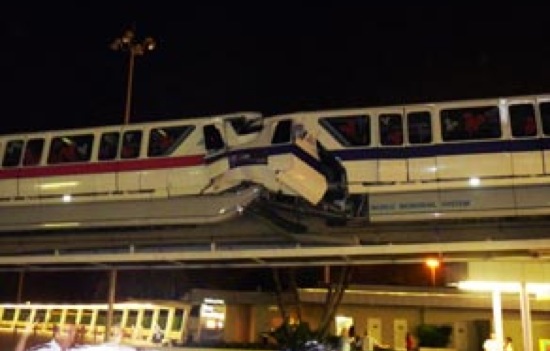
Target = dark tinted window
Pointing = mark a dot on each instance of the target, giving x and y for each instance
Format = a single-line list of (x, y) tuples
[(470, 123), (163, 141), (545, 117), (108, 146), (33, 152), (243, 126), (12, 154), (522, 120), (213, 139), (131, 143), (391, 129), (349, 130), (282, 133), (70, 148), (419, 126)]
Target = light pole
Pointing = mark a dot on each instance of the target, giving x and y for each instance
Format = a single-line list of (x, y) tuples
[(127, 42)]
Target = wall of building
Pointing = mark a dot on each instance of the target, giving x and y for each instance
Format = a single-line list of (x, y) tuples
[(470, 317)]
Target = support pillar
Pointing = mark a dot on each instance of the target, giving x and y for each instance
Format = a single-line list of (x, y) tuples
[(525, 310), (497, 315), (112, 294)]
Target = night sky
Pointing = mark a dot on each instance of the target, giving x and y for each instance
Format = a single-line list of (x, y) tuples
[(57, 70)]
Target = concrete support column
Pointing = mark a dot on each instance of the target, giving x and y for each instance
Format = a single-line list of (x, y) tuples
[(112, 294), (497, 315), (525, 310)]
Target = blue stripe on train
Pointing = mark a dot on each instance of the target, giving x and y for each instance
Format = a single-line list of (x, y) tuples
[(447, 149), (259, 155)]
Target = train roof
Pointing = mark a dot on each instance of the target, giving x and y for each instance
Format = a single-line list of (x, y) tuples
[(162, 122), (416, 105)]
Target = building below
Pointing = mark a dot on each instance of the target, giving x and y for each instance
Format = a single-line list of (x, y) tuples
[(386, 312)]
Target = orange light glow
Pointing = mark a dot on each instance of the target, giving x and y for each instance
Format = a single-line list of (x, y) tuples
[(432, 263)]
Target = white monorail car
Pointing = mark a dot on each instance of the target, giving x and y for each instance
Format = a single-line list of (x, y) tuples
[(186, 171), (457, 159), (150, 173)]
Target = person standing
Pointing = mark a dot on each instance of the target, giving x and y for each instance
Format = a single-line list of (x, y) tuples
[(344, 342), (369, 343), (410, 342), (508, 346), (63, 340)]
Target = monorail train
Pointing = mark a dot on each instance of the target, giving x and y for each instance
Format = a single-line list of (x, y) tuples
[(456, 159), (164, 173)]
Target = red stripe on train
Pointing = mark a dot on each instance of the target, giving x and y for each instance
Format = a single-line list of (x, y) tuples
[(102, 167)]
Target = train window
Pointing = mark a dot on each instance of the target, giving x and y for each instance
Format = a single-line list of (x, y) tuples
[(545, 117), (117, 317), (132, 317), (162, 318), (55, 316), (470, 123), (283, 132), (24, 315), (71, 148), (243, 126), (101, 318), (131, 144), (70, 316), (419, 127), (213, 138), (12, 155), (391, 128), (522, 120), (9, 314), (179, 316), (86, 317), (163, 141), (349, 130), (33, 152), (147, 320), (108, 146)]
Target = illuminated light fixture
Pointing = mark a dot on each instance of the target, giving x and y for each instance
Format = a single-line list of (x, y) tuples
[(432, 264), (474, 181), (539, 289), (58, 185), (222, 210), (61, 225), (213, 301), (67, 198)]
